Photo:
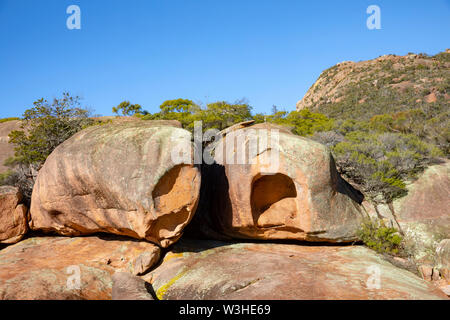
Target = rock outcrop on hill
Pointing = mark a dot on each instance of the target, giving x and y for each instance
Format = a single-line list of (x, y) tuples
[(218, 270), (386, 84), (293, 193), (13, 215), (118, 178), (63, 268)]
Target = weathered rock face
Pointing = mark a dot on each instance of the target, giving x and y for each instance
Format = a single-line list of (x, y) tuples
[(423, 214), (428, 197), (217, 270), (442, 268), (118, 179), (48, 267), (303, 197), (6, 148), (13, 215), (443, 255)]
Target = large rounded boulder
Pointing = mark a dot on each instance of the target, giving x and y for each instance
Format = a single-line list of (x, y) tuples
[(118, 178), (267, 183)]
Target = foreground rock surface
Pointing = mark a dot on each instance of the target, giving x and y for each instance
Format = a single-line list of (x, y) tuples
[(48, 267), (129, 287), (295, 194), (13, 215), (118, 178), (217, 270)]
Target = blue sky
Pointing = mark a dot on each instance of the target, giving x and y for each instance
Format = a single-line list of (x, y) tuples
[(269, 52)]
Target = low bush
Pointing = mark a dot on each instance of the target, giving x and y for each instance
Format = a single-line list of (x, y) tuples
[(6, 178), (379, 237), (381, 163), (303, 122)]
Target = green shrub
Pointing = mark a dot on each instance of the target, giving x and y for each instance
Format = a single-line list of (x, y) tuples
[(443, 57), (380, 163), (307, 123), (6, 178), (218, 115), (221, 114), (379, 237), (44, 127), (303, 122), (182, 110), (128, 109)]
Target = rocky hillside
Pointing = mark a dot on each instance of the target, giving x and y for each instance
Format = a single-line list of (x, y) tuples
[(388, 84)]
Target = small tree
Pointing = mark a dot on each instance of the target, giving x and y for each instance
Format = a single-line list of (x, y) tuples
[(274, 109), (182, 106), (182, 110), (44, 127), (221, 114), (128, 109), (379, 237)]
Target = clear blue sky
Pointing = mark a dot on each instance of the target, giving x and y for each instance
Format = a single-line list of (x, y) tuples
[(269, 52)]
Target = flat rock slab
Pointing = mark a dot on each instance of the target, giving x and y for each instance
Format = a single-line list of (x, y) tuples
[(58, 268), (217, 270)]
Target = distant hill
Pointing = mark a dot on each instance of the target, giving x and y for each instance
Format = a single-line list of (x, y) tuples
[(6, 149), (388, 84)]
